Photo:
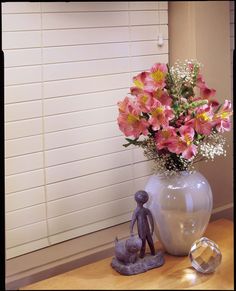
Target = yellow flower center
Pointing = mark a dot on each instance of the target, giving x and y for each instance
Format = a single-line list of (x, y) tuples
[(138, 84), (203, 116), (225, 114), (158, 111), (144, 99), (157, 75), (132, 118), (165, 134), (187, 139)]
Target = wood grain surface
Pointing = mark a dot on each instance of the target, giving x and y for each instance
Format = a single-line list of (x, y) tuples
[(176, 273)]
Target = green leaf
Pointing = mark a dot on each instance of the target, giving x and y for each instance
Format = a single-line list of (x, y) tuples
[(200, 136), (175, 106), (131, 141), (198, 103), (126, 145)]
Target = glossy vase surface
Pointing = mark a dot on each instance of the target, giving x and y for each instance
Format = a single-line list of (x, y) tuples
[(181, 206)]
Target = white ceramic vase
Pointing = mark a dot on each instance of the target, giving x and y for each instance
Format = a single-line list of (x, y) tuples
[(181, 206)]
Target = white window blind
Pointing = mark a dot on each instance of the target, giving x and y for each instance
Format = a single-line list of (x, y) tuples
[(67, 64)]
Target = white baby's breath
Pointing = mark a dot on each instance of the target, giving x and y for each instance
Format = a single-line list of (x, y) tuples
[(212, 146)]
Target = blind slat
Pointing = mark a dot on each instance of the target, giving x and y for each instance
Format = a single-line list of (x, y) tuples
[(24, 198), (83, 151), (88, 166), (15, 22), (27, 180), (29, 215), (26, 234), (23, 128)]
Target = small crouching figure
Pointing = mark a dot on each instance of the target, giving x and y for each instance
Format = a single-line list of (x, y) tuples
[(127, 251), (143, 216)]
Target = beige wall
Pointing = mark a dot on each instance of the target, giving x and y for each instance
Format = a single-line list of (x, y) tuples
[(201, 30)]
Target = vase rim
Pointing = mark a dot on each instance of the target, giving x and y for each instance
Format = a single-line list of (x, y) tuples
[(177, 173)]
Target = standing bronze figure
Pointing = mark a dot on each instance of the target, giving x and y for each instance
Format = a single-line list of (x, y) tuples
[(127, 261), (143, 216)]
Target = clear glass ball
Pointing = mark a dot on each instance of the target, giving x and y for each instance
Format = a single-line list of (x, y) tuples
[(205, 255)]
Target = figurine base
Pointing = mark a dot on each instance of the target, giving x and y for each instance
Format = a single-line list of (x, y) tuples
[(140, 266)]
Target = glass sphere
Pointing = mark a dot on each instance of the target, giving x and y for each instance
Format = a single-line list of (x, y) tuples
[(205, 255)]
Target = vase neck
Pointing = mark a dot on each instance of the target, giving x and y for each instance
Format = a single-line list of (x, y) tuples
[(176, 174)]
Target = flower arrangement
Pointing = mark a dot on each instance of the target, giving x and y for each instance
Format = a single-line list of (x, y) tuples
[(172, 114)]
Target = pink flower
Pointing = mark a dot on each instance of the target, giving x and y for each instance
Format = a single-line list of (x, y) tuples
[(135, 91), (221, 118), (206, 92), (182, 120), (156, 77), (213, 103), (200, 81), (189, 152), (202, 122), (129, 120), (165, 137), (163, 97), (145, 101), (160, 115), (187, 136), (123, 105), (140, 80), (183, 144)]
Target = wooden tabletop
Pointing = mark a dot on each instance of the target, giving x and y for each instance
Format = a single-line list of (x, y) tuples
[(176, 273)]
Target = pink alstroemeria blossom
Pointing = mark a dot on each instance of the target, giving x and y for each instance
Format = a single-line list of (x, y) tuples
[(123, 105), (163, 97), (135, 91), (206, 92), (187, 136), (140, 84), (165, 137), (183, 144), (221, 118), (202, 122), (160, 115), (213, 103), (140, 80), (189, 152), (145, 101), (182, 120), (156, 78), (200, 83), (129, 120)]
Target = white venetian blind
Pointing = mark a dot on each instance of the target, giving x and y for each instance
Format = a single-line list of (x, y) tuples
[(66, 66)]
